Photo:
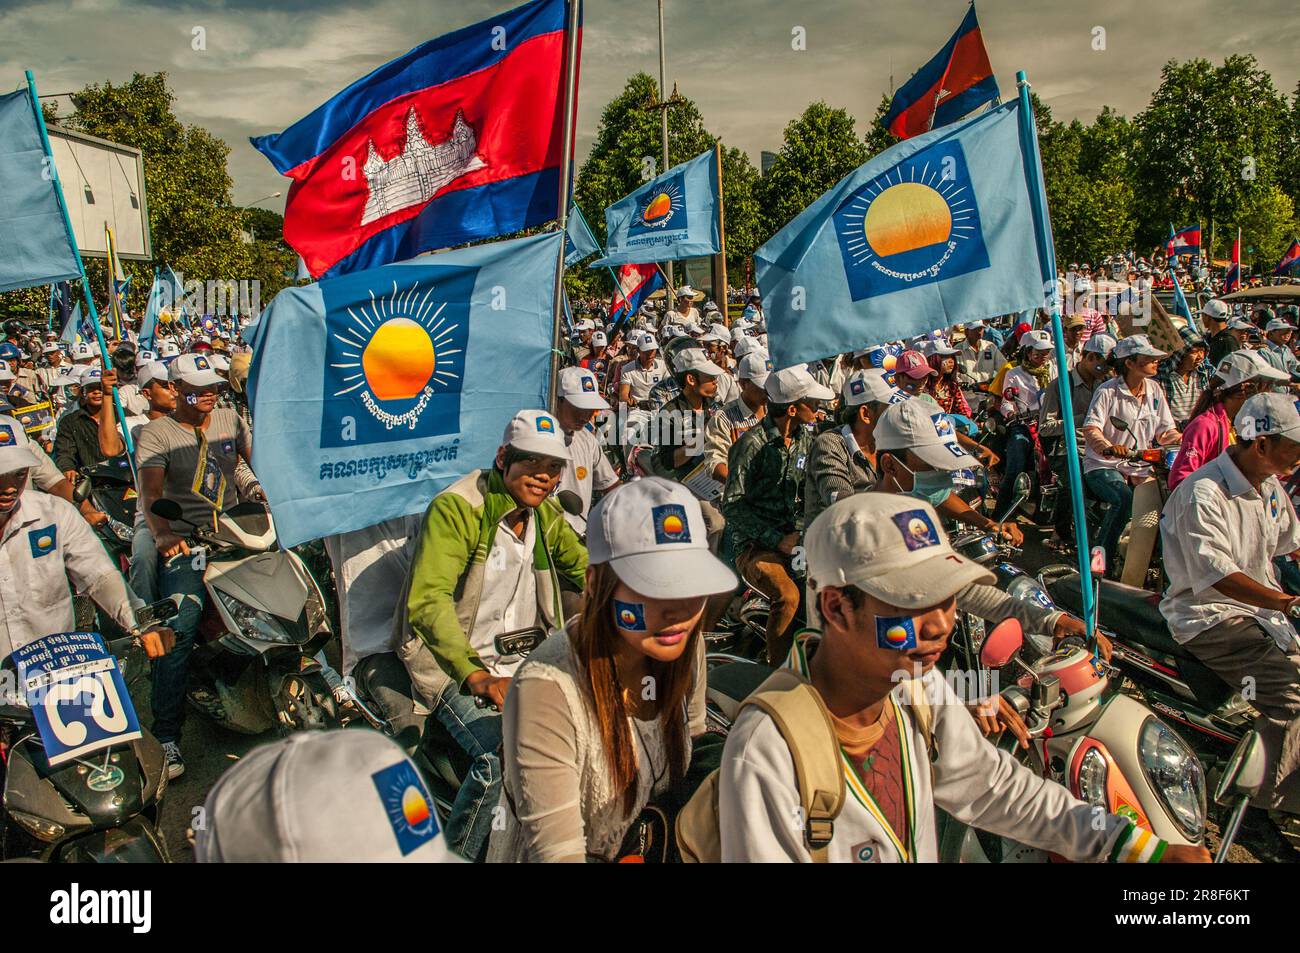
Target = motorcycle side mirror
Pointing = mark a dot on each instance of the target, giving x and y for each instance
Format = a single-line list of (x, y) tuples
[(82, 492), (1119, 423), (570, 502), (1243, 775), (167, 509), (1002, 643), (163, 610), (1098, 561)]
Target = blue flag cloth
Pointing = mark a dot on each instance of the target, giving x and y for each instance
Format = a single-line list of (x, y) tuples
[(578, 240), (158, 296), (36, 245), (673, 216), (76, 325), (936, 231), (384, 386)]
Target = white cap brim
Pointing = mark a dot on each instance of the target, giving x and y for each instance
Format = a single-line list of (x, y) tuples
[(17, 458), (675, 573), (587, 401), (542, 446), (201, 378), (924, 584), (945, 455)]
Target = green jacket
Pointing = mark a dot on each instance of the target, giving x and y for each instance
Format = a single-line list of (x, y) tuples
[(765, 485), (447, 573)]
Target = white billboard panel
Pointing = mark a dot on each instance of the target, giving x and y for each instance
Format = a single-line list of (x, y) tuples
[(103, 182)]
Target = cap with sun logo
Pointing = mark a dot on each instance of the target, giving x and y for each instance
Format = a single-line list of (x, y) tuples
[(15, 453), (652, 534), (578, 386), (195, 370), (536, 431)]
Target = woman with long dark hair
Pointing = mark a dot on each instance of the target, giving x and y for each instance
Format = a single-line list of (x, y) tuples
[(599, 718), (944, 386)]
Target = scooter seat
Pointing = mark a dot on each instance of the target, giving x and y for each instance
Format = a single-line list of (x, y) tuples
[(1131, 612), (732, 682)]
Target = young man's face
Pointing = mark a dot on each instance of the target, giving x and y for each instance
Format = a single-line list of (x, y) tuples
[(161, 396), (202, 399), (1036, 357), (868, 629), (974, 336), (92, 397), (573, 419), (1279, 455), (531, 479), (1192, 360), (11, 487), (1072, 335), (704, 384)]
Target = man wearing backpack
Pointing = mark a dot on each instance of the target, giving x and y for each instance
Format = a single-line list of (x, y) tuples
[(882, 581)]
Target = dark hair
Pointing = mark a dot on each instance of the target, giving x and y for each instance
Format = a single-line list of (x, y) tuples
[(594, 641), (1214, 393), (778, 410)]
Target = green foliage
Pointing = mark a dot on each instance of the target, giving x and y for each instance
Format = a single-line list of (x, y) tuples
[(819, 149), (878, 137), (1267, 221)]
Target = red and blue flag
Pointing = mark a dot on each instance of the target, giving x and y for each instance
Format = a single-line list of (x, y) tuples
[(1290, 261), (636, 283), (456, 141), (1185, 241), (957, 81), (1232, 280)]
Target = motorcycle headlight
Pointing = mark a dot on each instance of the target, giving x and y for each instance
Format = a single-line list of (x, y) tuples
[(255, 624), (1092, 777), (1175, 772)]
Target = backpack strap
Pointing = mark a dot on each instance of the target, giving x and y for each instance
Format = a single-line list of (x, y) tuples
[(805, 724)]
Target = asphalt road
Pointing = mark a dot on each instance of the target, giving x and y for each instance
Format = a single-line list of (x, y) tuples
[(210, 750)]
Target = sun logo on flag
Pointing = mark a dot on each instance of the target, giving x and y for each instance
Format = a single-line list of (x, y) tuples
[(395, 361), (917, 223), (662, 207)]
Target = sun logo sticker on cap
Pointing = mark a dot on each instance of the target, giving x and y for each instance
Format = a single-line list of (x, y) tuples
[(942, 425), (670, 523), (201, 363), (43, 540), (545, 425), (917, 529), (896, 633), (7, 438), (408, 806), (857, 387), (589, 384)]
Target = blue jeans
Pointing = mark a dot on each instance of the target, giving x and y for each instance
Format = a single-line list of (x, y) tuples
[(1017, 457), (478, 732), (1111, 487), (179, 577), (145, 563)]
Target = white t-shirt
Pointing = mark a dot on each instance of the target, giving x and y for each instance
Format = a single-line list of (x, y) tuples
[(1147, 417), (642, 379), (588, 468), (509, 599), (1216, 524)]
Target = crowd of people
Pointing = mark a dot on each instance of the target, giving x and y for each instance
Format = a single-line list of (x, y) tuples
[(675, 466)]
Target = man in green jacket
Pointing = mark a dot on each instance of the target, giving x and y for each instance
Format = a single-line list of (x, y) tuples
[(489, 561), (763, 501)]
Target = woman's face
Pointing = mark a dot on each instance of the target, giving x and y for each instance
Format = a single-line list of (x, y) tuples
[(657, 628), (947, 365)]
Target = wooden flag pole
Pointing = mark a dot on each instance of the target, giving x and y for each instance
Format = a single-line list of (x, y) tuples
[(566, 179), (720, 259)]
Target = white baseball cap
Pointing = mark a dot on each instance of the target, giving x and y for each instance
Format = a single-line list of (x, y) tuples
[(1279, 324), (6, 372), (693, 360), (322, 797), (647, 343), (1241, 324), (870, 386), (598, 339), (536, 431), (1038, 340), (1101, 344), (81, 351), (15, 451), (921, 426), (652, 534), (169, 350), (746, 345), (892, 547), (195, 370), (686, 291), (50, 347), (1215, 310), (1137, 345), (153, 371), (1245, 365), (941, 347), (145, 356), (792, 384), (1269, 415), (578, 386), (755, 367)]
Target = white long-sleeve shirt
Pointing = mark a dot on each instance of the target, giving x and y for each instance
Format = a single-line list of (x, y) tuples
[(759, 808), (44, 542)]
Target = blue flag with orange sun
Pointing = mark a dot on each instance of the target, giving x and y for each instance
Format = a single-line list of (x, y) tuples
[(374, 390), (934, 232), (670, 217)]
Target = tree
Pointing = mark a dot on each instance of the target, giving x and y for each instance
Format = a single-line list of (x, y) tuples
[(1210, 137), (879, 138), (628, 152), (1267, 221), (819, 149)]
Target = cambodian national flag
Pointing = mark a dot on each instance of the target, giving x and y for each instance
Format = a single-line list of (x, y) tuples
[(1232, 280), (636, 283), (957, 81), (458, 140), (1185, 241), (1290, 261)]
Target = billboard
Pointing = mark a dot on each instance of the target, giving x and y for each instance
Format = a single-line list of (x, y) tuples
[(103, 183)]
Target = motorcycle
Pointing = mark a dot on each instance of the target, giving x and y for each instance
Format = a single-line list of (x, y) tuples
[(263, 623), (1104, 746), (111, 490), (102, 807)]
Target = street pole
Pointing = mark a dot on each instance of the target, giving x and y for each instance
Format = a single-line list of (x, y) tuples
[(663, 111)]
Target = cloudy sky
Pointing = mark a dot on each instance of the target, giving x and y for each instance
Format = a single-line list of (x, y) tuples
[(267, 63)]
